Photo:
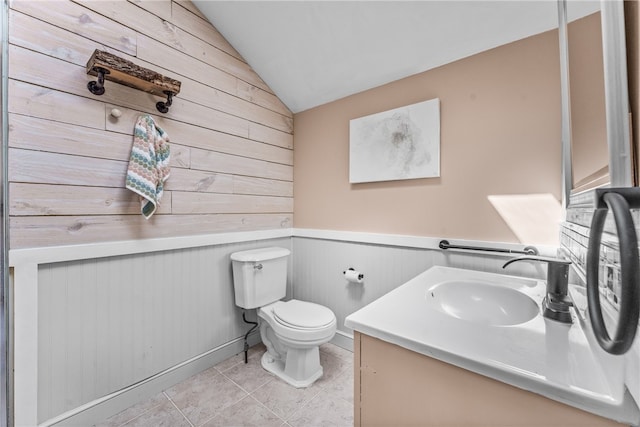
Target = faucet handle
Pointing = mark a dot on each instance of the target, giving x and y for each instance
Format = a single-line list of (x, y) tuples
[(549, 260), (556, 303), (557, 272)]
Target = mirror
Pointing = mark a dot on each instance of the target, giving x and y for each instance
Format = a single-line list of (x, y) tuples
[(596, 143), (589, 153)]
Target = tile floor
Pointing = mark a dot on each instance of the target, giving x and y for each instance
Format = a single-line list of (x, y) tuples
[(233, 393)]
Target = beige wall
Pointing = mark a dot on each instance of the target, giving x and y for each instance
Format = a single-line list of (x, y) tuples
[(500, 134), (589, 151), (632, 18), (231, 138)]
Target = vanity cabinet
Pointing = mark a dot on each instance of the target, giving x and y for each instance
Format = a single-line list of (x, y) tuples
[(398, 387)]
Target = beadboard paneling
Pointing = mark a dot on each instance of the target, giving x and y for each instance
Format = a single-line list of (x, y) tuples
[(107, 323), (231, 138), (318, 266), (129, 310)]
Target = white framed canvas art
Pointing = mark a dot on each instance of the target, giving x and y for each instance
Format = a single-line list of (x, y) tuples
[(403, 143)]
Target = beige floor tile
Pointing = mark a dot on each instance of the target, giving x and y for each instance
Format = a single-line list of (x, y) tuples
[(134, 411), (332, 366), (255, 352), (323, 410), (284, 399), (336, 351), (230, 362), (204, 395), (250, 376), (341, 385), (221, 399), (247, 412), (165, 415)]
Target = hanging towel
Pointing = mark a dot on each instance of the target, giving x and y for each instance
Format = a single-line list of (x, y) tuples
[(149, 164)]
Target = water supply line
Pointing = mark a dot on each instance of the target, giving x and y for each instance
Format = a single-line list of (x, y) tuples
[(620, 201), (246, 336)]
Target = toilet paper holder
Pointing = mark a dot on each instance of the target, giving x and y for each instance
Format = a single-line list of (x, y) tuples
[(352, 275)]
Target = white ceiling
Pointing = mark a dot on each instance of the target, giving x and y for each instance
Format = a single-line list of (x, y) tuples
[(314, 52)]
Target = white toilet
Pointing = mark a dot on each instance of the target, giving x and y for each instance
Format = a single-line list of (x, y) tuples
[(291, 330)]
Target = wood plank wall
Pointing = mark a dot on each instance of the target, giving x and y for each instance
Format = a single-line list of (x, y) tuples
[(231, 138)]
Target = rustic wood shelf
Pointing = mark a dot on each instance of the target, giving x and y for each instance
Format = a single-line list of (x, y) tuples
[(107, 66)]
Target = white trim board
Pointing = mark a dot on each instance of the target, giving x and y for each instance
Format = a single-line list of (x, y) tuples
[(99, 250), (126, 247)]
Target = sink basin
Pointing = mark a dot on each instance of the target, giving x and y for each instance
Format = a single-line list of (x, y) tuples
[(482, 302), (489, 323)]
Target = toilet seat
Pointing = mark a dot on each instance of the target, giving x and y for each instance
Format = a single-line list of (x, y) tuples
[(296, 331), (303, 315)]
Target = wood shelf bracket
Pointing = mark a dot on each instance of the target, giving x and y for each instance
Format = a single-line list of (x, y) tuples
[(107, 66)]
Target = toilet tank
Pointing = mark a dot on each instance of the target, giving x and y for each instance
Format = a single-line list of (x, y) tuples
[(259, 276)]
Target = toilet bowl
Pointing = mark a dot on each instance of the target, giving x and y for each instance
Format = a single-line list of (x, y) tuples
[(292, 331)]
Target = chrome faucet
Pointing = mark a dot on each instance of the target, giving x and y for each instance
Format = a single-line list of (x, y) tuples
[(556, 304)]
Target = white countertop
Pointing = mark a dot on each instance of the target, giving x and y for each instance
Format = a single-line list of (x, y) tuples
[(543, 356)]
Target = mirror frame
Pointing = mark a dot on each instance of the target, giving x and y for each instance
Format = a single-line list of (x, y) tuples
[(616, 103)]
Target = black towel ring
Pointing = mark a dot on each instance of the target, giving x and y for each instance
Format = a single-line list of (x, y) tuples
[(630, 275)]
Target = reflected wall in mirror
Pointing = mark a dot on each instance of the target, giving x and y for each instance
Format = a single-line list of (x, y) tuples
[(589, 153), (597, 147)]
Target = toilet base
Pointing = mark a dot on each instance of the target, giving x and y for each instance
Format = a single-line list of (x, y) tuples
[(301, 369)]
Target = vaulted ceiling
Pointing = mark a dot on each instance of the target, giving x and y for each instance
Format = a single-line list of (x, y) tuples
[(314, 52)]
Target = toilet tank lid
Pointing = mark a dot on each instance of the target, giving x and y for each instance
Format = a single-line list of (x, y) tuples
[(260, 254)]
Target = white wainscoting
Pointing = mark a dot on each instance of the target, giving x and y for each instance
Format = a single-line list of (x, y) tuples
[(99, 327), (93, 327), (387, 261)]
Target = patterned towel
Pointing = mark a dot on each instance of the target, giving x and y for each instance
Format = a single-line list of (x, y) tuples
[(148, 164)]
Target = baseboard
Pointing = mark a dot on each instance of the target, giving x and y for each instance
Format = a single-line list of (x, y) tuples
[(103, 408), (343, 340)]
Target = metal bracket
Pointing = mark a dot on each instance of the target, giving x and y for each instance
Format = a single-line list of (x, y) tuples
[(97, 87), (163, 107)]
